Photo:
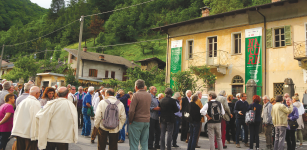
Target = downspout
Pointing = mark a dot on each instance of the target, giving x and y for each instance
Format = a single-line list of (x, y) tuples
[(264, 37), (166, 72)]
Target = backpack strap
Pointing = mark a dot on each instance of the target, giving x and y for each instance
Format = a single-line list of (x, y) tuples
[(107, 101), (117, 102)]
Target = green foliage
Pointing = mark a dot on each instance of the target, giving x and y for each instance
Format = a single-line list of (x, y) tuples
[(204, 73), (184, 81), (70, 78), (56, 54), (24, 67)]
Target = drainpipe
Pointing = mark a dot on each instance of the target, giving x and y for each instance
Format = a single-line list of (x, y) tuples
[(166, 72), (264, 37)]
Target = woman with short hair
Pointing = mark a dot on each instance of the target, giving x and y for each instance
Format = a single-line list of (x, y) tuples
[(254, 127), (6, 117)]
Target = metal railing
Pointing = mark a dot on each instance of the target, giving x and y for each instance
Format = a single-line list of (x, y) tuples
[(201, 58), (299, 50)]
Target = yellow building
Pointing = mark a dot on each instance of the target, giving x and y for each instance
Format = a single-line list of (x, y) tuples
[(218, 41)]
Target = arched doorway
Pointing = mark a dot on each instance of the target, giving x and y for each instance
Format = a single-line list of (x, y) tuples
[(237, 85)]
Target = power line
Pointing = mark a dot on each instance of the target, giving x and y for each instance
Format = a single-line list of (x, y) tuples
[(119, 9), (129, 43), (43, 35), (33, 54)]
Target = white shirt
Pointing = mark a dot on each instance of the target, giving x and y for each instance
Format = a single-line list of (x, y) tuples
[(96, 102), (203, 111), (72, 98)]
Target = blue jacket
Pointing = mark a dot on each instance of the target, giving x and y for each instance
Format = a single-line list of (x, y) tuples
[(124, 100), (87, 99), (293, 116), (241, 106), (258, 110)]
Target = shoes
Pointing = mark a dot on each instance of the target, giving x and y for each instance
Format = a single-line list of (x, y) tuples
[(175, 146), (92, 141), (187, 141), (127, 134), (157, 147), (238, 146), (227, 142), (120, 141), (225, 146), (87, 136), (197, 146), (246, 144)]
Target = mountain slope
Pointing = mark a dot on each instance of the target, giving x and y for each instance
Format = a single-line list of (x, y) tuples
[(18, 12)]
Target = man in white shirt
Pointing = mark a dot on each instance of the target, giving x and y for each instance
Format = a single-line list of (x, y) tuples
[(71, 96), (95, 104), (24, 121), (57, 123), (214, 121), (104, 132), (96, 93)]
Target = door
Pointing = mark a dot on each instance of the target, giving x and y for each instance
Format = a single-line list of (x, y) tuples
[(212, 50)]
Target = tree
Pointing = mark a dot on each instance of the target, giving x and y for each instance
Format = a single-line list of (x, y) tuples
[(56, 54), (184, 81), (96, 26), (220, 6), (24, 67), (204, 73), (70, 78)]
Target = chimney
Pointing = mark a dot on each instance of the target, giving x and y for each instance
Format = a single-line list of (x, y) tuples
[(132, 61), (101, 57), (205, 11), (84, 49)]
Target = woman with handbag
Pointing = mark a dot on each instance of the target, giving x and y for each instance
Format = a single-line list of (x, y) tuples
[(292, 126), (254, 127)]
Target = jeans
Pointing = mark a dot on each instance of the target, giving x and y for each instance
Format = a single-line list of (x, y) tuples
[(254, 134), (170, 129), (80, 117), (122, 133), (194, 130), (231, 129), (4, 139), (280, 134), (138, 133), (240, 122), (154, 133), (268, 135), (102, 140), (176, 130), (290, 138), (86, 129)]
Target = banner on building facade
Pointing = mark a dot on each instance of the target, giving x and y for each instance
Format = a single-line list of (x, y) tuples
[(176, 52), (253, 57)]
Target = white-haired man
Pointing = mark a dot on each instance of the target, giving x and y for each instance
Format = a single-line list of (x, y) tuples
[(178, 116), (24, 95), (267, 121), (154, 128), (87, 104), (71, 96), (160, 96), (24, 125), (6, 87), (185, 124), (57, 123)]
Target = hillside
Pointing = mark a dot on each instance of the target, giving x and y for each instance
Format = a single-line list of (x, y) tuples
[(18, 12)]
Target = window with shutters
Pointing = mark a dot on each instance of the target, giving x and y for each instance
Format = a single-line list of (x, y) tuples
[(236, 43), (113, 75), (279, 37), (106, 74), (190, 48), (212, 41), (93, 73)]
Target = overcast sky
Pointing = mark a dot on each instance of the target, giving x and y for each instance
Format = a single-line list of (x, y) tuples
[(42, 3)]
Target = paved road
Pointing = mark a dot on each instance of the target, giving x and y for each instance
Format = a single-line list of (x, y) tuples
[(85, 144)]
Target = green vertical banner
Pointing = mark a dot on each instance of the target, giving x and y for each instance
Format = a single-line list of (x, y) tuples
[(253, 56), (176, 52)]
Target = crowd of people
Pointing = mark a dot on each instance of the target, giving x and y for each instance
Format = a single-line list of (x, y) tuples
[(49, 118)]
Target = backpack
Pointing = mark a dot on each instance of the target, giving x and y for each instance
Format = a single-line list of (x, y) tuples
[(215, 110), (111, 119), (250, 116)]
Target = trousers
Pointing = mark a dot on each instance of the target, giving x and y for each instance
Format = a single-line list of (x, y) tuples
[(280, 134), (94, 133), (86, 129), (223, 131), (240, 122), (268, 134), (231, 129), (80, 117), (102, 140), (194, 130), (170, 128), (138, 133), (4, 139), (25, 144), (56, 146), (214, 131), (176, 130), (290, 138), (154, 133), (254, 134)]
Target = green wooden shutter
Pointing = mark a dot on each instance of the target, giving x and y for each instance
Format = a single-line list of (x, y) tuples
[(288, 35), (269, 38)]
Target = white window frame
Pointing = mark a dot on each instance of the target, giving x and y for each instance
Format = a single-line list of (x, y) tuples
[(233, 43), (273, 35), (188, 49), (207, 50)]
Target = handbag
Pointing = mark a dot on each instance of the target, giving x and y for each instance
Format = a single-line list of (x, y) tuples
[(293, 124), (90, 112)]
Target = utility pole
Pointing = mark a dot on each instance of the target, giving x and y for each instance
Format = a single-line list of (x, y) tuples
[(1, 58), (79, 50)]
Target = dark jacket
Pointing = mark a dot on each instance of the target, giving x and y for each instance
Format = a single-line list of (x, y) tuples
[(258, 110), (194, 112), (241, 106), (168, 107), (184, 103), (124, 100)]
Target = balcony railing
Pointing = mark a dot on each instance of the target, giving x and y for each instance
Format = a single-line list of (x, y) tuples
[(220, 58), (299, 50)]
